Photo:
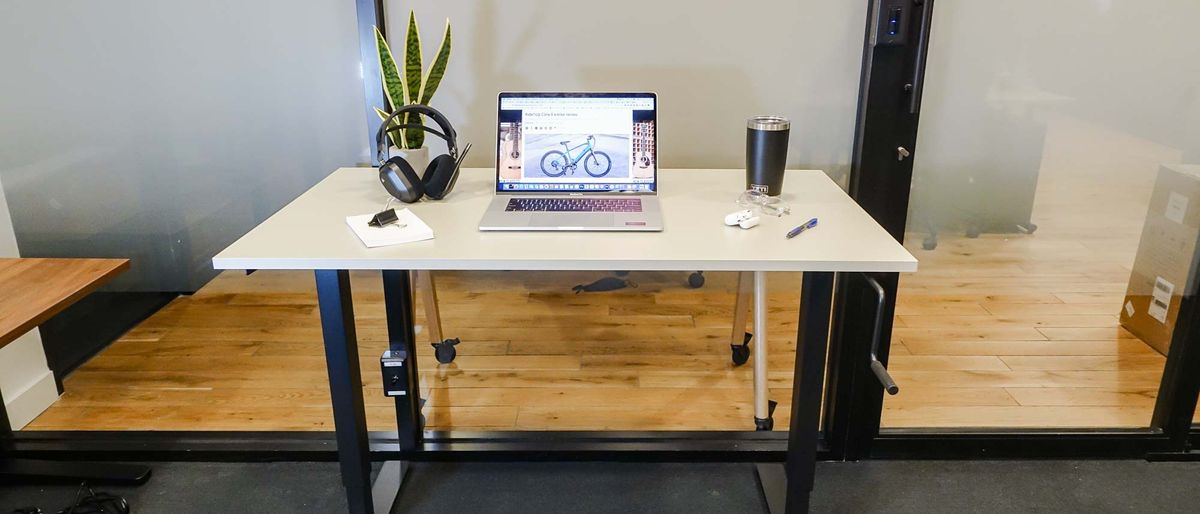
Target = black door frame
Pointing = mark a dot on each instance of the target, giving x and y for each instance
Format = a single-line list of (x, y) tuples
[(888, 114)]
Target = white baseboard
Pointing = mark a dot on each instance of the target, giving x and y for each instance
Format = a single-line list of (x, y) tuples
[(25, 405)]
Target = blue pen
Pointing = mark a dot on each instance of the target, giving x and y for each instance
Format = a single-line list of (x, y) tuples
[(796, 231)]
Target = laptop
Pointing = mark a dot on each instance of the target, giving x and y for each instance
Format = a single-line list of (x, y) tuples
[(576, 162)]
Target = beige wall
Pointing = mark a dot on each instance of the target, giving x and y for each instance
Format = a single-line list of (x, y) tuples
[(25, 381), (713, 64)]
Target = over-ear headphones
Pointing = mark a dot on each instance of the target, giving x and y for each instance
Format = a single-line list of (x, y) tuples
[(399, 177)]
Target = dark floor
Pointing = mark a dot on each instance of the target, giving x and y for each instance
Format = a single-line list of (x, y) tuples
[(877, 486)]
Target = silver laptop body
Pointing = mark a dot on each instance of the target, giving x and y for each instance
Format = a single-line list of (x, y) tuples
[(576, 162)]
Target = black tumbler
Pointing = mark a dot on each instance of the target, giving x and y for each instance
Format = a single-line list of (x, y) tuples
[(766, 153)]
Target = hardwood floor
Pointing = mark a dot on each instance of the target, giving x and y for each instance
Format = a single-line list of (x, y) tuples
[(244, 354)]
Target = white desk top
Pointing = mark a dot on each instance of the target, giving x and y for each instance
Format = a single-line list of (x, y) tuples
[(311, 232)]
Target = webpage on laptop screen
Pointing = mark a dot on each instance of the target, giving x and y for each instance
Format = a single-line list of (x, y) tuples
[(573, 144)]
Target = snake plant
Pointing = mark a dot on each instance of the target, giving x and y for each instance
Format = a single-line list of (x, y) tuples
[(412, 86)]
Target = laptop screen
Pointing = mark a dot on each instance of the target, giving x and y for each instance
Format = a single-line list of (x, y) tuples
[(576, 142)]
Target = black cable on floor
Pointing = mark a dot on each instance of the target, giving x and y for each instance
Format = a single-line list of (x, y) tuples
[(96, 503)]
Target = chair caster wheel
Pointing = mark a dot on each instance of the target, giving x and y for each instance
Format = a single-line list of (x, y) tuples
[(1027, 228), (696, 280), (444, 351), (741, 352), (929, 243)]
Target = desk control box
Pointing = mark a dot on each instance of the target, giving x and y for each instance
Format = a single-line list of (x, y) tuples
[(394, 364)]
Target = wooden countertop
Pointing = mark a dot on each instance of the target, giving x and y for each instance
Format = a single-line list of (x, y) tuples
[(34, 290)]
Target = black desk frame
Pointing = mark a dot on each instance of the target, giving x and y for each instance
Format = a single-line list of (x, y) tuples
[(788, 484)]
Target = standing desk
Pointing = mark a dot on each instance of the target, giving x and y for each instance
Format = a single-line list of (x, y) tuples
[(311, 234)]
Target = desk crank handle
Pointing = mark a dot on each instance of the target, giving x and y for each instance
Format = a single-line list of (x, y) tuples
[(877, 367)]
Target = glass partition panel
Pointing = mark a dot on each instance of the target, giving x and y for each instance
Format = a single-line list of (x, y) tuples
[(162, 131), (1054, 212)]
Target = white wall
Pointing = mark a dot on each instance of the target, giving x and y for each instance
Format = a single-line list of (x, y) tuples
[(25, 381), (713, 63)]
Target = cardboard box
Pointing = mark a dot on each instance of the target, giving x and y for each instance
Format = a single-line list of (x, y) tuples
[(1166, 257)]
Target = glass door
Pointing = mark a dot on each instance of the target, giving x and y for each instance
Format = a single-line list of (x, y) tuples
[(1050, 194)]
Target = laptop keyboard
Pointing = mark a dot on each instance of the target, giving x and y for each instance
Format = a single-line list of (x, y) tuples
[(575, 204)]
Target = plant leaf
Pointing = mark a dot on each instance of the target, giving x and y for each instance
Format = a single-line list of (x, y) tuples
[(438, 69), (394, 136), (412, 72), (412, 58), (393, 84)]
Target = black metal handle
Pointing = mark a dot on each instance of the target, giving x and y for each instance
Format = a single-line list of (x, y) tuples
[(918, 79), (877, 367)]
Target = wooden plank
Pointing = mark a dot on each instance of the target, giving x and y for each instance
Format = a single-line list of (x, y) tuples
[(1021, 416), (920, 395), (1002, 348), (1027, 320), (1020, 310), (1086, 362), (1078, 396), (1007, 333), (1134, 379), (946, 362), (1085, 334)]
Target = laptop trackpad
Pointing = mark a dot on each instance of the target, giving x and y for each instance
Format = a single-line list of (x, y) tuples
[(572, 219)]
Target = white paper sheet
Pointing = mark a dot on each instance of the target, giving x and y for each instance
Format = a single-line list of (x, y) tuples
[(407, 229)]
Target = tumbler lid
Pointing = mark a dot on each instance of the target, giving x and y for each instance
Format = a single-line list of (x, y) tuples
[(769, 123)]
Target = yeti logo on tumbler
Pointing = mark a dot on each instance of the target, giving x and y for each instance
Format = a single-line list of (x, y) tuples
[(766, 153)]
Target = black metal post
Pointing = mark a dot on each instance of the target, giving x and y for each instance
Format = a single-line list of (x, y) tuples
[(398, 302), (812, 337), (345, 386)]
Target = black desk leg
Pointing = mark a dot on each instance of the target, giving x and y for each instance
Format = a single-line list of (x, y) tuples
[(345, 386), (816, 302), (812, 340), (398, 305), (398, 302)]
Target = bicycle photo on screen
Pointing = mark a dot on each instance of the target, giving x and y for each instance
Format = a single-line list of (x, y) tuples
[(568, 155)]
